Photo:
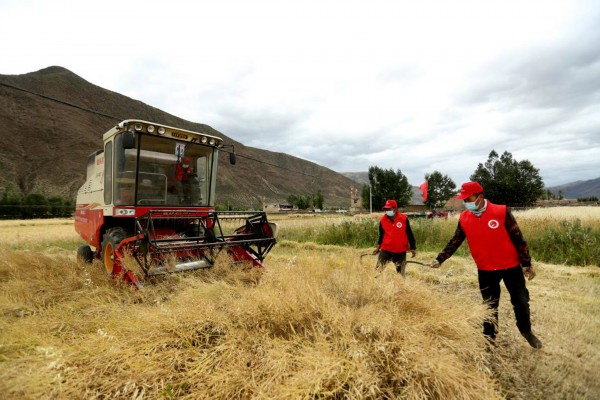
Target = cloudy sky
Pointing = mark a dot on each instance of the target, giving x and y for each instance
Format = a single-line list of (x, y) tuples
[(411, 85)]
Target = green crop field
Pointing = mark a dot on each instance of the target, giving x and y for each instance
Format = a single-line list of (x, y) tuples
[(318, 322)]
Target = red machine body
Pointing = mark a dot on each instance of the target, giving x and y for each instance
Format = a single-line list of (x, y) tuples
[(150, 193)]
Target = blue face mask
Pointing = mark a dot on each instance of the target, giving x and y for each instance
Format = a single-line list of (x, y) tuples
[(389, 213), (471, 206)]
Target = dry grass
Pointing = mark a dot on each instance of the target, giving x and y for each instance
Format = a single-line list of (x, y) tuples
[(316, 324), (584, 213), (40, 234)]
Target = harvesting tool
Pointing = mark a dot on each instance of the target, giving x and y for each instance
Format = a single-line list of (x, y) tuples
[(150, 193), (402, 266)]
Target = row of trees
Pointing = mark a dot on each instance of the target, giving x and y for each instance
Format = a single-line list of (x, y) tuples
[(314, 200), (504, 179), (386, 184), (13, 204)]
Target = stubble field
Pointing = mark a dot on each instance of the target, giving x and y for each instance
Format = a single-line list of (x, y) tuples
[(317, 323)]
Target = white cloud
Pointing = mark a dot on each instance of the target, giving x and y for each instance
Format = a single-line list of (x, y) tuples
[(408, 85)]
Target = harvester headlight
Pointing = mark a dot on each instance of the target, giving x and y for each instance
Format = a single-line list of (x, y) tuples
[(204, 139), (150, 128), (161, 130), (212, 142), (138, 127), (123, 212)]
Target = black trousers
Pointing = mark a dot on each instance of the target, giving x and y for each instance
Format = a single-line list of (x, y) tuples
[(514, 280), (387, 256)]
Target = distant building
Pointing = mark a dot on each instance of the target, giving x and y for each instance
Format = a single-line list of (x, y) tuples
[(279, 208), (415, 208), (355, 200), (454, 204)]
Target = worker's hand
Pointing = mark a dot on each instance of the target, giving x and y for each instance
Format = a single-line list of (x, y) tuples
[(376, 251), (435, 264), (529, 272), (413, 253)]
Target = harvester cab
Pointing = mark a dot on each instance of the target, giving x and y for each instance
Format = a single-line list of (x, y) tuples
[(150, 193)]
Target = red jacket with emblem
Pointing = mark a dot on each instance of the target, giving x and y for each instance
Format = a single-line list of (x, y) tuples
[(395, 239), (488, 238)]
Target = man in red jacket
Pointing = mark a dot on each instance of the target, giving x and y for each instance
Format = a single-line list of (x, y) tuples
[(500, 252), (183, 173), (395, 238)]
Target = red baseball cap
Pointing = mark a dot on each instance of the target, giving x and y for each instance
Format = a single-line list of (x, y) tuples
[(390, 204), (468, 189)]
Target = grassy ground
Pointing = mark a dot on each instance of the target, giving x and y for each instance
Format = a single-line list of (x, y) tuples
[(318, 323)]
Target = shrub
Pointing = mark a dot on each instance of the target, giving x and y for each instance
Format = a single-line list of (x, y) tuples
[(362, 233), (569, 243), (553, 241)]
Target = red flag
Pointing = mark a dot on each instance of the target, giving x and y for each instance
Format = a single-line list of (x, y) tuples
[(424, 187)]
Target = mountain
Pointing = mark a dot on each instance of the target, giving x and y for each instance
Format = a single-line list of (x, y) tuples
[(578, 189), (45, 143), (360, 177), (363, 179)]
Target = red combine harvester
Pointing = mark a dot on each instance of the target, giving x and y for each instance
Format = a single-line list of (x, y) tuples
[(151, 193)]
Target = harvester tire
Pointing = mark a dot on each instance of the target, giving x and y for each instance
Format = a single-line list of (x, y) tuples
[(110, 241), (85, 255)]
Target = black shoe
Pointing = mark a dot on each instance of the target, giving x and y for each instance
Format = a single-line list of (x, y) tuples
[(532, 340)]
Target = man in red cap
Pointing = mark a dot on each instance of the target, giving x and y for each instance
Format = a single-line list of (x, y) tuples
[(395, 238), (500, 252)]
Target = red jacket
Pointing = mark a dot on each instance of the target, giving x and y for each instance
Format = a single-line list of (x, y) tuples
[(181, 173), (395, 239), (488, 238)]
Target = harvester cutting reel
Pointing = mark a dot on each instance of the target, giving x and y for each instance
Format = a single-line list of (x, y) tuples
[(167, 241)]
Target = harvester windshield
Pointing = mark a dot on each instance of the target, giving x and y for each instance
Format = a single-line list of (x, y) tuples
[(158, 171)]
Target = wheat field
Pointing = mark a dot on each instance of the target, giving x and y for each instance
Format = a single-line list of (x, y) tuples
[(318, 322)]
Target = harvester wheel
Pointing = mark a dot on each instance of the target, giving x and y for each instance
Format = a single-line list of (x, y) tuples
[(110, 241), (85, 255)]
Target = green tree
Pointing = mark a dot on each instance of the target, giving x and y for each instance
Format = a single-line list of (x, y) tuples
[(35, 205), (365, 197), (508, 181), (387, 185), (302, 202), (318, 200), (11, 202), (69, 208), (55, 206), (587, 199), (440, 189), (548, 195), (59, 207)]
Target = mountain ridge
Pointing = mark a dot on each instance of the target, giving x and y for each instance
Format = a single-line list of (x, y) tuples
[(578, 189), (47, 143)]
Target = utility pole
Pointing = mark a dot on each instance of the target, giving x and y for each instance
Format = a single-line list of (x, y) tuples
[(370, 200)]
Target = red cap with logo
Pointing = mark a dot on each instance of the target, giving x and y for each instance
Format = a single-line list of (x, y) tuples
[(468, 189), (390, 204)]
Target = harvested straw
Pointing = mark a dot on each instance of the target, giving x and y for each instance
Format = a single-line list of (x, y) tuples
[(312, 326)]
